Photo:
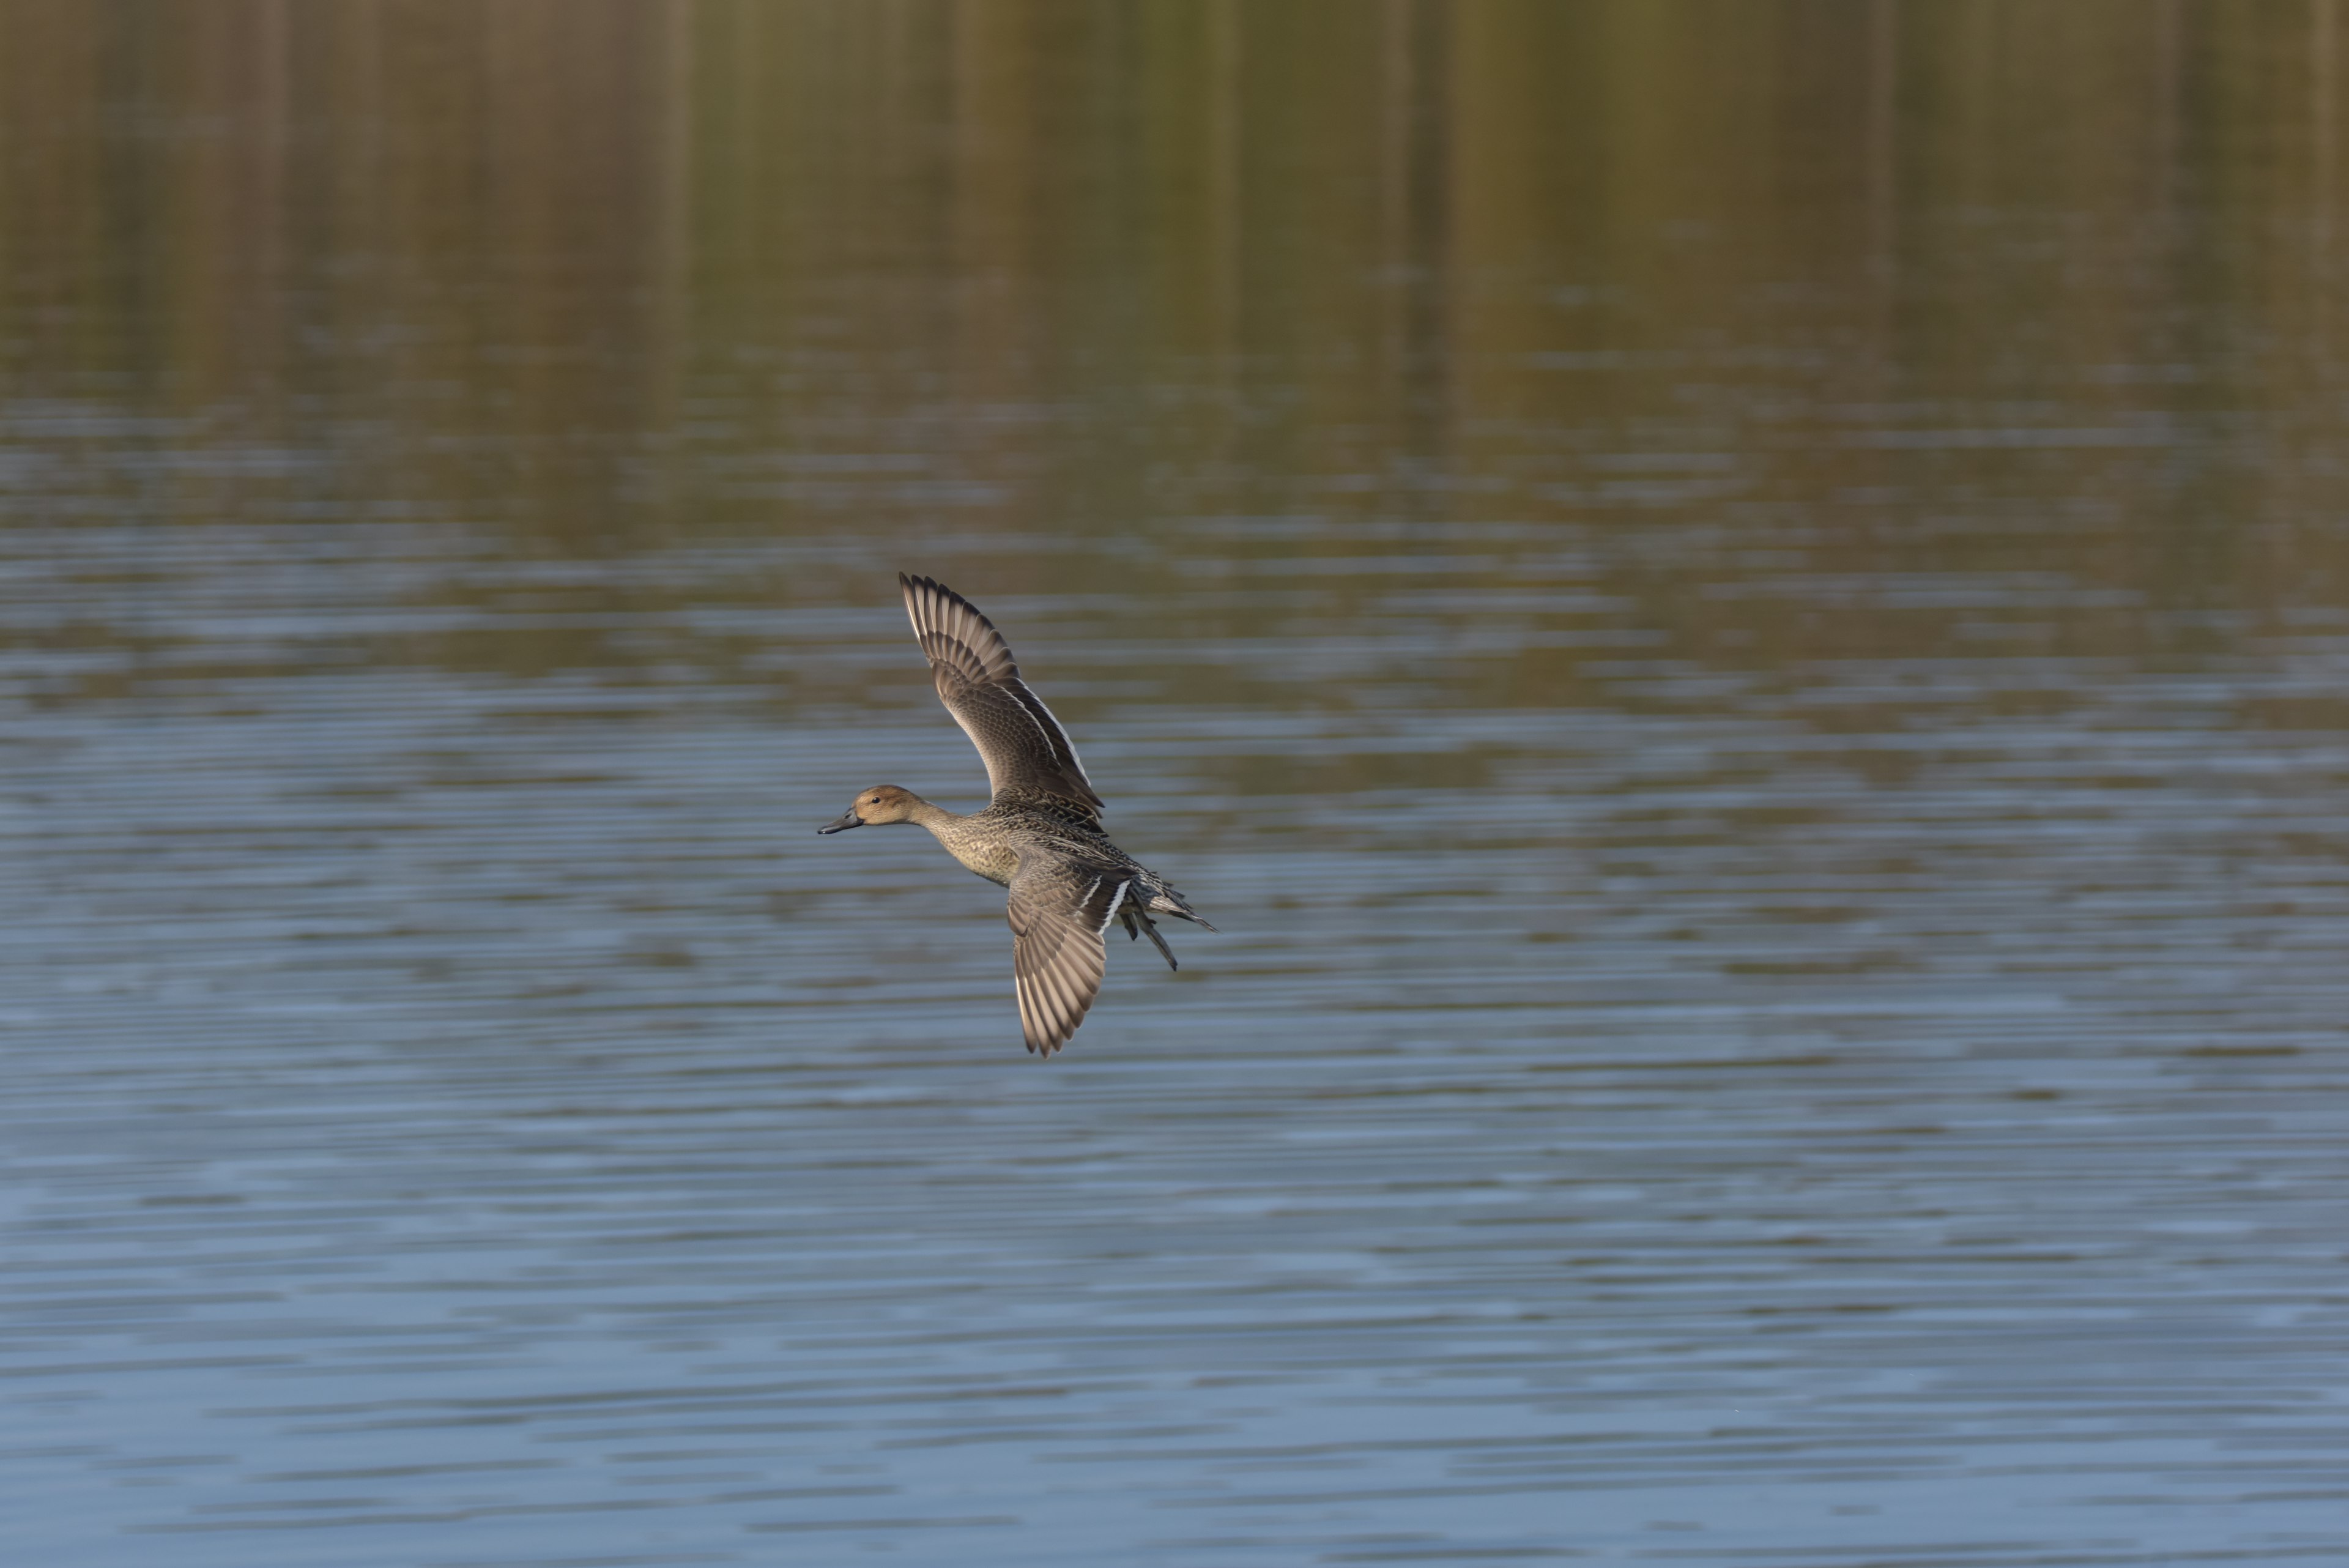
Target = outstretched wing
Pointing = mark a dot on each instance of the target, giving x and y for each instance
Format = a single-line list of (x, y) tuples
[(1058, 913), (1023, 746)]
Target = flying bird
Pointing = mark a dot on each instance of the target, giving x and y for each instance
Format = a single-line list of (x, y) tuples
[(1041, 836)]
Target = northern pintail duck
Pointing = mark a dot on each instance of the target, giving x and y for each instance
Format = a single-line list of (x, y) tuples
[(1041, 836)]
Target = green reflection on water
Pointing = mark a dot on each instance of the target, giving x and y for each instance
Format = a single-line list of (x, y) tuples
[(1683, 314)]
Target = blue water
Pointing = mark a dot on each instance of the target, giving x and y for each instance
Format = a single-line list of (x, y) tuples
[(1780, 990)]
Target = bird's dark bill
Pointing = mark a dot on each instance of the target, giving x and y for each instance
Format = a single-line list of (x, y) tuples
[(846, 822)]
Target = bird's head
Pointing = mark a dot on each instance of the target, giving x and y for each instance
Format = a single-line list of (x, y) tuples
[(880, 805)]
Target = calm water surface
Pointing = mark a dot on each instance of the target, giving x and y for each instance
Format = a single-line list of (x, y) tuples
[(1741, 614)]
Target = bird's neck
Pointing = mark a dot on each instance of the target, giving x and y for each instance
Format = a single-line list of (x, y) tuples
[(936, 818)]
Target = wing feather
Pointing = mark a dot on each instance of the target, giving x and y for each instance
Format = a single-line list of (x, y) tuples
[(1058, 913), (1024, 747)]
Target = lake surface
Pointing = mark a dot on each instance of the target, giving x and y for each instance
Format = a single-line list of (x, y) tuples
[(1741, 614)]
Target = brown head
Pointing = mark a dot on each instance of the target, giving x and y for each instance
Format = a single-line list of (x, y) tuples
[(880, 804)]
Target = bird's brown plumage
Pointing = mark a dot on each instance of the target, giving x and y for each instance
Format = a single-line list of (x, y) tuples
[(1024, 747), (1058, 912), (1041, 836)]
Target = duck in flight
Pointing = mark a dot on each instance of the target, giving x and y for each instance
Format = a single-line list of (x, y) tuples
[(1041, 836)]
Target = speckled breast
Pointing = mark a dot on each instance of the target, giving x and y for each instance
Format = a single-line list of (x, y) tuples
[(980, 850)]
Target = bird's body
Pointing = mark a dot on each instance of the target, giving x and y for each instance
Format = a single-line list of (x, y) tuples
[(1041, 836)]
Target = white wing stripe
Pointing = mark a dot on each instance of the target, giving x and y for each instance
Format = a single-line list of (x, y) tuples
[(1043, 718), (1014, 688), (1109, 910)]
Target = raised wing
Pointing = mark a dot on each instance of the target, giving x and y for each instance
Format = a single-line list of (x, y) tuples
[(1023, 746), (1058, 914)]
